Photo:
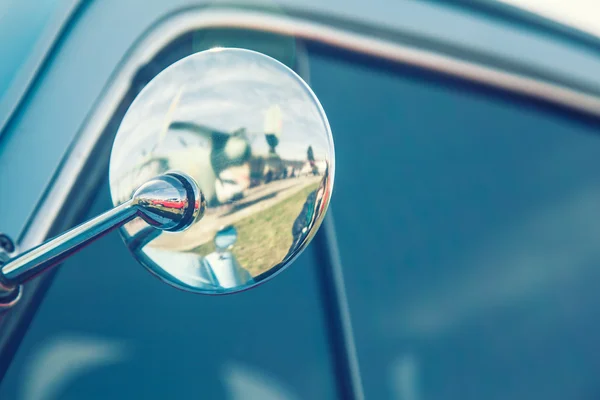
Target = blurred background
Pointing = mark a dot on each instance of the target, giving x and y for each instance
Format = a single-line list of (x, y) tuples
[(459, 258)]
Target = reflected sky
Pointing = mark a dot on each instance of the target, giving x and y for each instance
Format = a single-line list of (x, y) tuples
[(226, 91), (532, 257), (249, 382), (64, 359)]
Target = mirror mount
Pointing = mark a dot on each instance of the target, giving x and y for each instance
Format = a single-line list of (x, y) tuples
[(170, 202), (9, 296)]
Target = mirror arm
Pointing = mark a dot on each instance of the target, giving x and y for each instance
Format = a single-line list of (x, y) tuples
[(43, 257), (153, 202)]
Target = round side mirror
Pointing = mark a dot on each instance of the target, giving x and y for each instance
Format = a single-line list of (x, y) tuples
[(251, 136)]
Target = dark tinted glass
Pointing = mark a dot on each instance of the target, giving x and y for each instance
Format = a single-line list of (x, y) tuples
[(469, 231), (108, 329)]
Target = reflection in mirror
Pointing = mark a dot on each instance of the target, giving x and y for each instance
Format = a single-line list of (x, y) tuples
[(255, 139)]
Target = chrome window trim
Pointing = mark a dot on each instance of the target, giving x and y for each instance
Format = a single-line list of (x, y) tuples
[(51, 206)]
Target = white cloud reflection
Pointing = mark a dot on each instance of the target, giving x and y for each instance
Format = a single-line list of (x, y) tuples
[(223, 90), (63, 359), (534, 257), (247, 383)]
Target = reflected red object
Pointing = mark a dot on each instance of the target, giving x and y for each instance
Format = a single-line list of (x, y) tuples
[(169, 203)]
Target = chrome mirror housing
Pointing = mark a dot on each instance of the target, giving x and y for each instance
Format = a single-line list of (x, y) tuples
[(221, 173)]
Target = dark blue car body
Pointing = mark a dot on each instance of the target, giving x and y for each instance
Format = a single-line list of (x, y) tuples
[(459, 258)]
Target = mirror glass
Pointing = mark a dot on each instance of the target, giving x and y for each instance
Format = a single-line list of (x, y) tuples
[(255, 139)]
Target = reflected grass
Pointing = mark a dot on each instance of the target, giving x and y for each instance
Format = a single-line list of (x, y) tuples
[(265, 238)]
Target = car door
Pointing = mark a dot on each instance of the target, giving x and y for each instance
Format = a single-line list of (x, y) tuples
[(463, 221)]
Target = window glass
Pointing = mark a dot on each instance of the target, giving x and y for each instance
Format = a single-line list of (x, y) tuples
[(109, 329), (468, 224)]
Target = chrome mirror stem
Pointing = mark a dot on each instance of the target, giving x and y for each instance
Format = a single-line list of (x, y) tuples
[(52, 252), (153, 202)]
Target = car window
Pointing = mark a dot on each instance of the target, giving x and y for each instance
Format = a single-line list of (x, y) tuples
[(109, 329), (468, 226)]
